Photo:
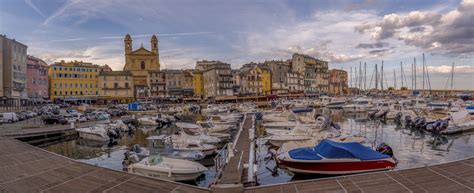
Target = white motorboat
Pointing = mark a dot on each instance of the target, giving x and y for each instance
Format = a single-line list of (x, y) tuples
[(438, 105), (418, 103), (336, 103), (461, 121), (167, 168), (298, 133), (119, 124), (279, 117), (280, 125), (189, 145), (359, 105), (147, 121), (96, 132), (203, 137), (209, 126)]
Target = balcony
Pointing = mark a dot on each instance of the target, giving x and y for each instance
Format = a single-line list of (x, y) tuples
[(116, 88)]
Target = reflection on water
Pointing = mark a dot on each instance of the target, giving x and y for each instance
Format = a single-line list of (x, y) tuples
[(412, 148), (100, 154)]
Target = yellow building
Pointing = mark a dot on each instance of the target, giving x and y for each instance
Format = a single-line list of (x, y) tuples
[(266, 80), (73, 81), (115, 87), (255, 80), (198, 83)]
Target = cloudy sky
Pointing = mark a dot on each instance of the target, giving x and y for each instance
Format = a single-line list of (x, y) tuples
[(344, 32)]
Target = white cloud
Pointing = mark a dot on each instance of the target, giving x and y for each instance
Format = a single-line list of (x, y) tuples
[(449, 33), (462, 69)]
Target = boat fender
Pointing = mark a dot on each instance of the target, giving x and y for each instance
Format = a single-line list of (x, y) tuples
[(169, 171)]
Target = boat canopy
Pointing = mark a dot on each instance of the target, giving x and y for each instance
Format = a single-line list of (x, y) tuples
[(186, 125), (328, 149)]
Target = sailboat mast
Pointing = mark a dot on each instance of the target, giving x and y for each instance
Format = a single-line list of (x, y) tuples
[(365, 76), (381, 77), (452, 78), (376, 79), (351, 78), (395, 80), (401, 72), (356, 77), (360, 75), (423, 63), (414, 69)]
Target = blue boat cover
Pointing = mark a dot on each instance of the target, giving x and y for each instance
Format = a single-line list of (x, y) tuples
[(336, 150), (302, 110)]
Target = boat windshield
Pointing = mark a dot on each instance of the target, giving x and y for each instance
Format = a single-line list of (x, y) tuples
[(362, 102), (154, 160)]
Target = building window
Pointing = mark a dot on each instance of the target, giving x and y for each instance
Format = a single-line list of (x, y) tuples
[(142, 65), (126, 85)]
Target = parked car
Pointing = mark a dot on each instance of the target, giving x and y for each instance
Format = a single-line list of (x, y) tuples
[(21, 116), (76, 118), (55, 119), (100, 115), (8, 117)]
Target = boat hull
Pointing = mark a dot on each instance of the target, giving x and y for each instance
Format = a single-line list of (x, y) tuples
[(174, 176), (337, 168), (92, 136)]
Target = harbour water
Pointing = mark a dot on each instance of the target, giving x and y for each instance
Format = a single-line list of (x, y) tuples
[(411, 148)]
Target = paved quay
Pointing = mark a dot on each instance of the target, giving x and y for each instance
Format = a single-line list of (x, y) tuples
[(26, 168), (457, 176)]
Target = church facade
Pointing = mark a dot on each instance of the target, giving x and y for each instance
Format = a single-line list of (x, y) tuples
[(139, 63)]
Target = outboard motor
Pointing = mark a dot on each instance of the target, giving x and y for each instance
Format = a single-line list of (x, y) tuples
[(398, 118), (384, 149), (372, 114), (130, 157), (136, 148), (258, 116), (408, 121), (335, 126), (421, 123)]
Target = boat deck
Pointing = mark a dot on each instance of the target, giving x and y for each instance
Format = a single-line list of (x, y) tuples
[(232, 173)]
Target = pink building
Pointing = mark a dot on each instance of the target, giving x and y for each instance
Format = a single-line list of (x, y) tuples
[(36, 78)]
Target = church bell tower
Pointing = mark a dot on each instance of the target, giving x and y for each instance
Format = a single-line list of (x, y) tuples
[(128, 48), (154, 49)]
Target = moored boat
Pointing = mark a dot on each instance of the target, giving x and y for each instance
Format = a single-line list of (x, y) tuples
[(335, 158), (167, 168)]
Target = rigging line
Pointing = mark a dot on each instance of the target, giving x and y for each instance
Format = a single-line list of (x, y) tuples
[(371, 78), (385, 77)]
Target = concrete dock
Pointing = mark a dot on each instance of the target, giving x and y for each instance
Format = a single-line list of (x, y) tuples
[(233, 171)]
